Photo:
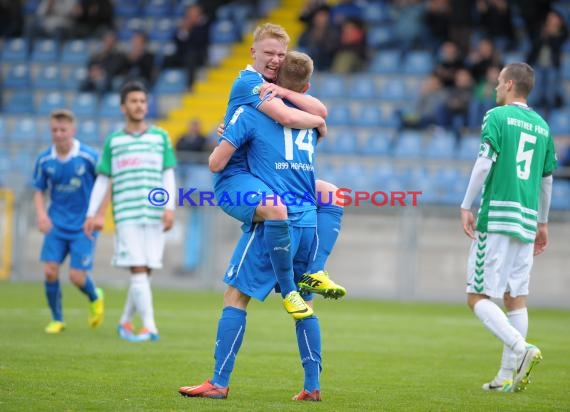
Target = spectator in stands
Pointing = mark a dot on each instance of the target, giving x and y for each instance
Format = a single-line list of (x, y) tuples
[(481, 58), (545, 56), (93, 18), (309, 9), (103, 66), (352, 54), (53, 19), (139, 61), (192, 142), (483, 97), (455, 111), (449, 60), (495, 20), (461, 22), (408, 23), (533, 13), (424, 111), (191, 43), (320, 40), (345, 10), (11, 18), (436, 20)]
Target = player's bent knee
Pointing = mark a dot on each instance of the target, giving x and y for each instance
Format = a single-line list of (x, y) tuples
[(51, 271), (270, 211), (77, 277)]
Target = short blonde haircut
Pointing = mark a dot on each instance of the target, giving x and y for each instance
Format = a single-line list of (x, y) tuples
[(295, 71), (270, 31), (63, 114)]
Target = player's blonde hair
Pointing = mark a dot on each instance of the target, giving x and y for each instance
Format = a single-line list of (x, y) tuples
[(295, 71), (270, 31), (63, 114)]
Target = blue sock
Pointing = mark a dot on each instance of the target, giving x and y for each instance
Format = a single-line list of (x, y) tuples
[(89, 289), (309, 341), (278, 243), (53, 295), (231, 328), (329, 219)]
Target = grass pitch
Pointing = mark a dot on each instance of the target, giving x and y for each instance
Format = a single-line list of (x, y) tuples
[(376, 356)]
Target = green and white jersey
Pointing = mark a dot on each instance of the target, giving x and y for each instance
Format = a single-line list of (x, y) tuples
[(135, 163), (519, 143)]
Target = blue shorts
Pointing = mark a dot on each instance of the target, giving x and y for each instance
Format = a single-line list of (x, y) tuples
[(250, 269), (239, 195), (58, 244)]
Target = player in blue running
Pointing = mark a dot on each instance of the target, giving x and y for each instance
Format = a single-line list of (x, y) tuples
[(268, 51), (67, 172), (284, 157)]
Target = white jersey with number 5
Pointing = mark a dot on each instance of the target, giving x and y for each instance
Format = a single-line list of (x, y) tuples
[(518, 141)]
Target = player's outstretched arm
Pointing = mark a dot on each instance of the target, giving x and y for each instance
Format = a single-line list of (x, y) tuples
[(303, 101), (220, 156), (289, 116), (44, 222)]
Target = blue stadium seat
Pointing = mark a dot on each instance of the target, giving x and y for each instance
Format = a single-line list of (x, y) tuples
[(45, 51), (88, 132), (377, 144), (559, 121), (158, 8), (18, 77), (440, 146), (48, 78), (30, 6), (84, 105), (382, 36), (15, 51), (110, 106), (394, 90), (224, 32), (20, 102), (171, 81), (50, 102), (409, 145), (362, 87), (133, 24), (328, 86), (4, 134), (375, 13), (343, 142), (385, 62), (418, 62), (367, 116), (75, 52), (338, 115), (24, 131), (560, 195), (127, 8), (76, 76), (161, 30), (469, 147)]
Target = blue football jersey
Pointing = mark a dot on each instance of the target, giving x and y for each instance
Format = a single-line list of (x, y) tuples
[(245, 91), (69, 184), (281, 157)]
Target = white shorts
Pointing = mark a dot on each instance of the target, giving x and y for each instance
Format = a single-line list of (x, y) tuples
[(498, 264), (139, 245)]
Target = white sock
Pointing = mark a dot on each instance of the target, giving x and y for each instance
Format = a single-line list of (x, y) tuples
[(497, 322), (519, 319), (130, 308), (142, 296)]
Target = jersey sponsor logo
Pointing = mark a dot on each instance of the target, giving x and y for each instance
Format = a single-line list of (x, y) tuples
[(72, 186), (128, 162), (50, 170), (80, 170)]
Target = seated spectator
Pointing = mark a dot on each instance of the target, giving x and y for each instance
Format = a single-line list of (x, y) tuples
[(93, 18), (496, 21), (455, 111), (320, 39), (449, 60), (103, 66), (484, 56), (192, 142), (546, 57), (53, 19), (139, 61), (424, 111), (483, 97), (436, 20), (11, 18), (191, 43), (309, 9), (352, 53), (408, 23)]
